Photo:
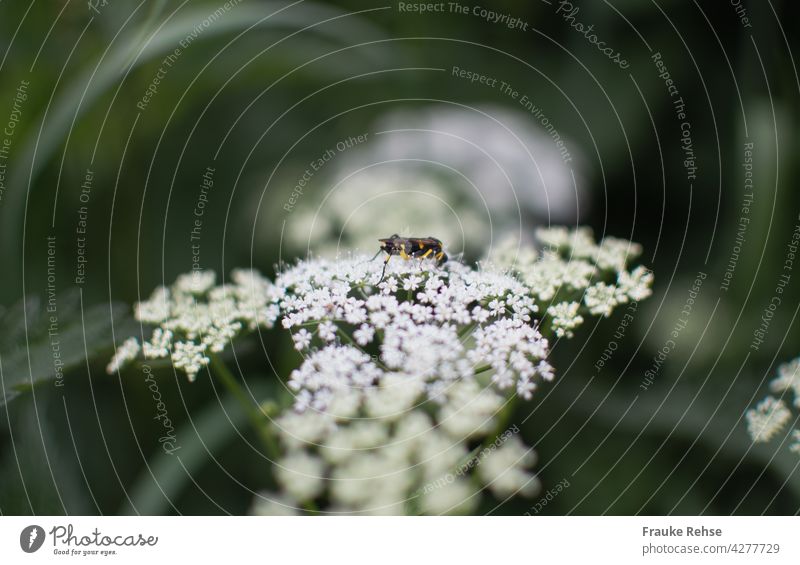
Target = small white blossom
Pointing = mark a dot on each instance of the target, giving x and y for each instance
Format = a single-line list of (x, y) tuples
[(795, 447), (217, 336), (505, 471), (497, 307), (615, 254), (299, 429), (514, 351), (469, 411), (772, 414), (555, 237), (552, 274), (480, 314), (412, 282), (456, 497), (327, 331), (364, 334), (159, 344), (189, 357), (601, 299), (767, 419), (196, 282), (512, 254), (636, 285), (788, 379), (388, 286), (302, 339), (125, 353), (564, 318), (300, 474), (331, 369), (395, 397), (156, 309)]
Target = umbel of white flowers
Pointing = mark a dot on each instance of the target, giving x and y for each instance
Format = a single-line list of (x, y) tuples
[(771, 416), (401, 397)]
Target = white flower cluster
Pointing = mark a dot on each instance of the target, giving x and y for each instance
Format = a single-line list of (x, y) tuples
[(405, 377), (771, 415), (432, 325), (391, 451), (575, 268), (573, 276), (194, 318)]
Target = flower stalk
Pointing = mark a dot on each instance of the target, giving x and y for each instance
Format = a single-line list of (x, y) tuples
[(256, 417)]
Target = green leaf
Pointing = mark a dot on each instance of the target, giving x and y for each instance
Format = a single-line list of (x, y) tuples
[(43, 339), (167, 475), (153, 40)]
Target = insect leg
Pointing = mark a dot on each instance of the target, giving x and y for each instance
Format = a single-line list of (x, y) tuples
[(383, 273)]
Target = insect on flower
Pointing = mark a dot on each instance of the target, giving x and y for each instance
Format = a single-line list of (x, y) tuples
[(411, 247)]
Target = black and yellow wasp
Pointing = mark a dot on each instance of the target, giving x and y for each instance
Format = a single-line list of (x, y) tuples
[(411, 247)]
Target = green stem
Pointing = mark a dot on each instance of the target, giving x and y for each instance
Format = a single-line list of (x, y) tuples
[(254, 415), (465, 330)]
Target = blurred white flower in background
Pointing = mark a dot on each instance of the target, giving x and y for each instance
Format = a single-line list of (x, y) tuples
[(466, 176), (767, 419), (514, 164), (378, 201), (770, 416)]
